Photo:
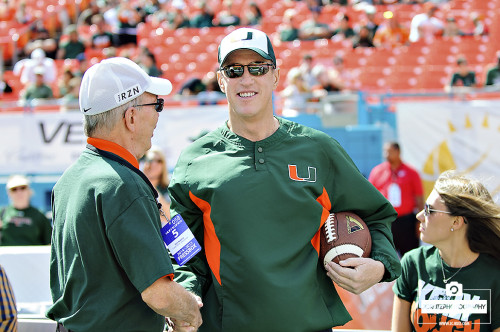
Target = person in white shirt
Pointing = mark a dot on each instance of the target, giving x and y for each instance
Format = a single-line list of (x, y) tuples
[(426, 24)]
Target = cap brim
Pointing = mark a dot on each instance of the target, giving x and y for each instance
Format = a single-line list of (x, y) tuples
[(256, 50), (159, 86)]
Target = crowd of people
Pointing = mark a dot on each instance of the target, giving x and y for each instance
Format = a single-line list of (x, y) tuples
[(109, 28), (222, 186)]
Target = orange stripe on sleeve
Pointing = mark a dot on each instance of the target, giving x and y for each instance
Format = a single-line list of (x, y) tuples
[(211, 241), (324, 200)]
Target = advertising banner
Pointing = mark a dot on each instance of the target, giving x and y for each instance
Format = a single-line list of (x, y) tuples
[(463, 135), (37, 143)]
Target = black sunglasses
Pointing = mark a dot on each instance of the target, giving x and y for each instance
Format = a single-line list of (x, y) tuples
[(234, 71), (18, 188), (158, 105)]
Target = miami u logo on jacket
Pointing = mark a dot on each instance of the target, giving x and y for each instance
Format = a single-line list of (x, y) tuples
[(311, 174)]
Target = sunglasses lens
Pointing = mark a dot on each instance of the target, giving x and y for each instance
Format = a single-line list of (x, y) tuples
[(258, 70), (238, 70), (234, 71), (18, 188), (159, 105)]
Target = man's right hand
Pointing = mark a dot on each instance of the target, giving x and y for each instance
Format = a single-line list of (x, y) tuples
[(168, 298)]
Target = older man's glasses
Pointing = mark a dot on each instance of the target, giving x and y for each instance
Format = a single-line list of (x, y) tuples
[(158, 105), (235, 71), (428, 210)]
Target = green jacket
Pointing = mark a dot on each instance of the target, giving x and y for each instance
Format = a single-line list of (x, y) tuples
[(255, 207)]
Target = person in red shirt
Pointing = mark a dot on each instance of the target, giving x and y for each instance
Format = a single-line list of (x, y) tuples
[(402, 186)]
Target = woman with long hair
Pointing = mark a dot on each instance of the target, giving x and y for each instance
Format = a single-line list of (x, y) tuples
[(454, 284)]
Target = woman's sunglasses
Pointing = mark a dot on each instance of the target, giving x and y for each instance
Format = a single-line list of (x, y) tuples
[(234, 71)]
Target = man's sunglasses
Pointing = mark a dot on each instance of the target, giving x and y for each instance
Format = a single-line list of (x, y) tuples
[(234, 71), (20, 188), (158, 105)]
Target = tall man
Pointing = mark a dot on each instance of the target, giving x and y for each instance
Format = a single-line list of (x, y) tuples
[(402, 186), (110, 270), (255, 192)]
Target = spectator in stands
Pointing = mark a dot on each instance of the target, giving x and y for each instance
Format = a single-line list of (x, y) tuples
[(177, 17), (312, 28), (391, 33), (204, 17), (227, 16), (363, 38), (306, 69), (69, 102), (493, 73), (155, 168), (343, 29), (38, 89), (4, 85), (21, 224), (82, 65), (370, 20), (128, 19), (39, 37), (212, 93), (70, 46), (346, 76), (401, 185), (295, 94), (461, 222), (101, 36), (8, 318), (451, 28), (480, 27), (25, 68), (86, 16), (329, 81), (63, 81), (147, 61), (252, 15), (426, 25), (288, 29), (73, 90), (191, 87), (463, 76)]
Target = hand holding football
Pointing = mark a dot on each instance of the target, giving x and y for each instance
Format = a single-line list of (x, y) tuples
[(344, 235)]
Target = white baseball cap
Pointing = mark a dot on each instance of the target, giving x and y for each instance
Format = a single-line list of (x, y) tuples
[(246, 38), (17, 181), (114, 82)]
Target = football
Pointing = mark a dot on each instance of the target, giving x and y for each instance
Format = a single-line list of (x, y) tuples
[(344, 235)]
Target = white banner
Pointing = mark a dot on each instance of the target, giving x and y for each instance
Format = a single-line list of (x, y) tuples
[(37, 143), (439, 135)]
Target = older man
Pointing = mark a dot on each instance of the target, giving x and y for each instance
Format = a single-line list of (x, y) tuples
[(110, 270)]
